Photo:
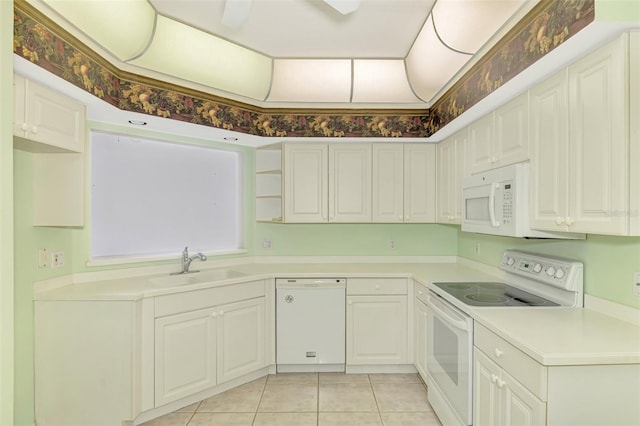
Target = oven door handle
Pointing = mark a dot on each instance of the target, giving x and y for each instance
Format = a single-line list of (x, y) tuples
[(445, 313)]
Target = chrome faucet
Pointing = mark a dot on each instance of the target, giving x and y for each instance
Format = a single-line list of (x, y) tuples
[(186, 261)]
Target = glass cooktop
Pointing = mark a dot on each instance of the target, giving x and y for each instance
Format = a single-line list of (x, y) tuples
[(492, 294)]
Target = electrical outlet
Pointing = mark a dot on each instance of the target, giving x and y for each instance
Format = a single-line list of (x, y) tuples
[(392, 244), (636, 283), (267, 244), (57, 259), (42, 258)]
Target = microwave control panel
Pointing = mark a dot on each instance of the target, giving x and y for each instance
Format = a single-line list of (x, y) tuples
[(507, 203)]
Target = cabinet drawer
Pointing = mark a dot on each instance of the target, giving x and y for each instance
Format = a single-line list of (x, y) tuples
[(200, 299), (515, 362), (422, 292), (376, 286)]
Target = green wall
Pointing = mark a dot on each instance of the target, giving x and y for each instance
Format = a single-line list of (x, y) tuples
[(355, 240), (6, 214)]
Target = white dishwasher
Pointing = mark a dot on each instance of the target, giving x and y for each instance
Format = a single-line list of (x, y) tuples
[(310, 324)]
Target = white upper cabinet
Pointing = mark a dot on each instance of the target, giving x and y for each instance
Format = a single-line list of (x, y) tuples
[(634, 132), (53, 121), (599, 141), (452, 168), (388, 185), (481, 155), (350, 182), (500, 138), (306, 182), (512, 132), (419, 183), (580, 121), (550, 153)]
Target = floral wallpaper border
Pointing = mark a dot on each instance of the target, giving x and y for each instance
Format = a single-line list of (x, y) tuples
[(41, 41)]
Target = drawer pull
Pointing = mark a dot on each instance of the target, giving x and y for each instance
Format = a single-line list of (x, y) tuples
[(498, 353)]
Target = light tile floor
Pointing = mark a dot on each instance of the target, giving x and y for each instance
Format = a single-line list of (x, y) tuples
[(313, 399)]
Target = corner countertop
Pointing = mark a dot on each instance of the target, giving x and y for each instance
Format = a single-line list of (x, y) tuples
[(103, 286), (565, 336)]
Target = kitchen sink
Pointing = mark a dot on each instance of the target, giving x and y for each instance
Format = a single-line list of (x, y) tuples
[(197, 277)]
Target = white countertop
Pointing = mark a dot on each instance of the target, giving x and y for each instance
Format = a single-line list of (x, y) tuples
[(551, 336), (565, 336), (138, 287)]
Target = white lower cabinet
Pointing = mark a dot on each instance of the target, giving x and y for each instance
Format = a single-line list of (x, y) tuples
[(185, 354), (420, 330), (198, 350), (376, 321), (241, 339), (499, 399), (511, 388)]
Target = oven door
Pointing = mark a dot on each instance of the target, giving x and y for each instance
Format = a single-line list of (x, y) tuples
[(449, 361)]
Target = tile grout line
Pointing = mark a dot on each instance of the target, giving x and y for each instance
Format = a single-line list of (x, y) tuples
[(255, 414)]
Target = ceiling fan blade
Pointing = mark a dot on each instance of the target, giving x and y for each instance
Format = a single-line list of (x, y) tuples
[(236, 12), (343, 6)]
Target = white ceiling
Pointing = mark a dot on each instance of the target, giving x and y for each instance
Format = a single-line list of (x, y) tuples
[(296, 53), (311, 28)]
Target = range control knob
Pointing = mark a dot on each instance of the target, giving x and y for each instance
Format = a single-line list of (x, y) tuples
[(551, 271), (510, 261), (560, 273), (537, 268)]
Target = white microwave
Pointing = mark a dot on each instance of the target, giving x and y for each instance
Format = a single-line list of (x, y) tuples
[(496, 202)]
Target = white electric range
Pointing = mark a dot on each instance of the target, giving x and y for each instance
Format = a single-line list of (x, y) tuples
[(531, 281)]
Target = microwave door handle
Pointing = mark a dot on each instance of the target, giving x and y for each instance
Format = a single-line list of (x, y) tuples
[(492, 206)]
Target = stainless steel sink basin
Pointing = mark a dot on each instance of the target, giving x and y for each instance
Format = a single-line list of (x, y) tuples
[(197, 277)]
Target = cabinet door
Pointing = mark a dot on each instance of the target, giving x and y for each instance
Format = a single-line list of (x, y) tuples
[(420, 328), (53, 119), (376, 330), (481, 134), (185, 355), (461, 161), (350, 183), (420, 183), (445, 181), (241, 339), (518, 405), (19, 94), (486, 399), (599, 141), (550, 153), (388, 175), (305, 183), (511, 143)]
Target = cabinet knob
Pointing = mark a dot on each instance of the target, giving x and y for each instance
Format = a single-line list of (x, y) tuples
[(399, 217), (221, 313), (419, 291), (559, 220), (378, 287), (350, 302), (494, 378), (498, 352), (500, 383), (24, 127), (34, 130), (568, 221), (214, 314), (407, 217)]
